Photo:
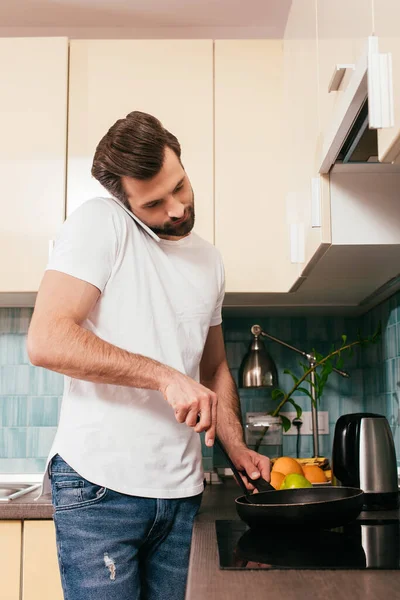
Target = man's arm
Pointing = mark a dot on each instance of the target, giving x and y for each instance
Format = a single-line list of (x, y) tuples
[(57, 341), (215, 375)]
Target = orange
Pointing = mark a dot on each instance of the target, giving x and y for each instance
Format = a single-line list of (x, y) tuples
[(314, 474), (277, 479), (287, 466)]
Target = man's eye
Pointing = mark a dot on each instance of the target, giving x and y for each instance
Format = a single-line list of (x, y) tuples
[(179, 188), (153, 205)]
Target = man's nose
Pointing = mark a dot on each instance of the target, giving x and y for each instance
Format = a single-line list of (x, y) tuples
[(176, 209)]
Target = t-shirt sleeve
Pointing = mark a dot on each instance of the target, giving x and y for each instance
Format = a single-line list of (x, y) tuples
[(217, 315), (87, 244)]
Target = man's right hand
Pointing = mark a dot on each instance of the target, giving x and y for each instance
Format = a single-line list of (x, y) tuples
[(188, 398)]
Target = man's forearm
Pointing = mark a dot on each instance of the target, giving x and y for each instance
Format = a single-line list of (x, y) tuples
[(79, 353), (229, 419)]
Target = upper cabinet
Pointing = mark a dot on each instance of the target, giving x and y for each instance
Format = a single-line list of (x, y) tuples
[(386, 27), (251, 227), (33, 124), (171, 79), (343, 27), (305, 211)]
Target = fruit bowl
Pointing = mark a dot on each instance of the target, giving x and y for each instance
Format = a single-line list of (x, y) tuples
[(316, 470), (322, 484)]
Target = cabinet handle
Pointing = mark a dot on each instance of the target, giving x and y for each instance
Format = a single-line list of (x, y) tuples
[(315, 202), (297, 243), (337, 76)]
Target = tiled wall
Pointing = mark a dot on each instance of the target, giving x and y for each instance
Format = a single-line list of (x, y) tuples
[(381, 366), (306, 333), (30, 397)]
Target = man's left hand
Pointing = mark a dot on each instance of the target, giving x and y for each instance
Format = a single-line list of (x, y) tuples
[(254, 464)]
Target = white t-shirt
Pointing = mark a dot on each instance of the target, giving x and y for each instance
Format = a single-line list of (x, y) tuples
[(158, 299)]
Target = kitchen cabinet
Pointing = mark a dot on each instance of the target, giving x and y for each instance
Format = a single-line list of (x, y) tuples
[(301, 133), (171, 79), (362, 252), (40, 575), (387, 18), (10, 551), (33, 124), (342, 29), (251, 228)]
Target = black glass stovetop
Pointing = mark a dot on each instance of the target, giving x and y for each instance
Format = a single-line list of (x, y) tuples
[(362, 544)]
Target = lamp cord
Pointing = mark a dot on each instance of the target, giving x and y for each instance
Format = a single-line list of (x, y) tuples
[(297, 423)]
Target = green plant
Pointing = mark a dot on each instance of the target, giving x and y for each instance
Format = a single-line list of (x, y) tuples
[(323, 367)]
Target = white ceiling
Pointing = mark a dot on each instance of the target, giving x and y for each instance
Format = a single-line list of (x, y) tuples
[(270, 15)]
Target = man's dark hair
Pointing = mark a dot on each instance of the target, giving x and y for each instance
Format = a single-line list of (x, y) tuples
[(134, 147)]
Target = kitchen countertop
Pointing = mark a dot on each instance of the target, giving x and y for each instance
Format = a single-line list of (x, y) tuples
[(206, 580), (26, 507)]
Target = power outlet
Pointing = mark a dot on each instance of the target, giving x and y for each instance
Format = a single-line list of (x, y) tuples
[(306, 428)]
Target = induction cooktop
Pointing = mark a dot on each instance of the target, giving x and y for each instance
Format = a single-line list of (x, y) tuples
[(369, 544)]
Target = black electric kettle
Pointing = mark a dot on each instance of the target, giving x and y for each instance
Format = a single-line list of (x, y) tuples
[(364, 456)]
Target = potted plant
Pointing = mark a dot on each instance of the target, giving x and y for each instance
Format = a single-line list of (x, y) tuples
[(322, 368)]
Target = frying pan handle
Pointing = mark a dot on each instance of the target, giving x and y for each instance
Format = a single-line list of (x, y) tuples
[(260, 484)]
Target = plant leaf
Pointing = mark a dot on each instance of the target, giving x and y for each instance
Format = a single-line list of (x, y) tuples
[(298, 408), (328, 368), (287, 372), (305, 391), (285, 423), (339, 362), (277, 393)]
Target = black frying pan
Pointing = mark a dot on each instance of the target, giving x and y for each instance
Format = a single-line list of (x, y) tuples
[(311, 508)]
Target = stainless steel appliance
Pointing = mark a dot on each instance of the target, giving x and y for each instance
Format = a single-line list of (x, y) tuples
[(364, 456)]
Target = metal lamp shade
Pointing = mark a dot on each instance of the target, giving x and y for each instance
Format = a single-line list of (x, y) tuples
[(257, 368)]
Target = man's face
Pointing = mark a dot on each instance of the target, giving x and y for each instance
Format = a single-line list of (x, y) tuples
[(164, 203)]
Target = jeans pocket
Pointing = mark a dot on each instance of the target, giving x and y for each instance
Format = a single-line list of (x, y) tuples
[(72, 491)]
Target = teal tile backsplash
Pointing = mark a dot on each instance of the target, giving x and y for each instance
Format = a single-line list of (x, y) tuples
[(381, 365), (30, 397), (306, 333)]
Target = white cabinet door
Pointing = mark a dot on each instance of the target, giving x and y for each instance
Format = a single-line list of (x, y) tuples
[(252, 231), (33, 125), (171, 79), (343, 27), (387, 19), (41, 576), (302, 127), (10, 563)]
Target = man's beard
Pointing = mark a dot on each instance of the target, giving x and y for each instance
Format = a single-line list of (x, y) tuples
[(180, 229)]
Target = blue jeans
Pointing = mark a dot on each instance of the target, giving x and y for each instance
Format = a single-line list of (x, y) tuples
[(112, 546)]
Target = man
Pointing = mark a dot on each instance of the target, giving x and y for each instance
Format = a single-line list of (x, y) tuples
[(129, 310)]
